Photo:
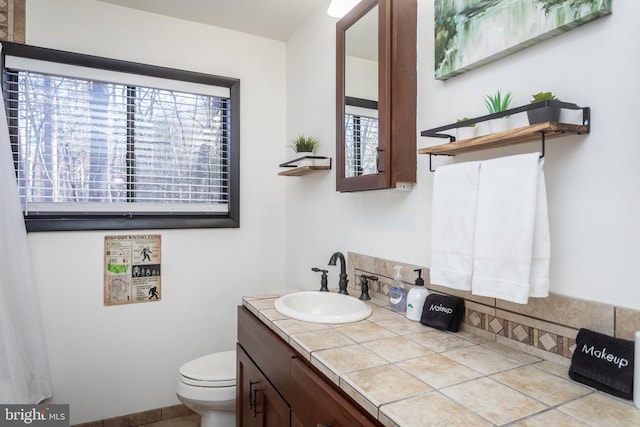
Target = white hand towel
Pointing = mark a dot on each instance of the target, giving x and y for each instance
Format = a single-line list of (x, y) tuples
[(541, 243), (511, 219), (455, 189)]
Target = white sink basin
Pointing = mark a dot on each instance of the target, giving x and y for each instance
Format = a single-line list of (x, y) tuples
[(322, 307)]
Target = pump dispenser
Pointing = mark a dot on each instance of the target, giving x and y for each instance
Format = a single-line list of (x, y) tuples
[(416, 297), (398, 293)]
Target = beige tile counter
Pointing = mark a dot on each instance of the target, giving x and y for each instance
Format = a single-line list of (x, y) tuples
[(409, 375)]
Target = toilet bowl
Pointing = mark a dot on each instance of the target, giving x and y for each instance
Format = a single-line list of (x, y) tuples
[(207, 386)]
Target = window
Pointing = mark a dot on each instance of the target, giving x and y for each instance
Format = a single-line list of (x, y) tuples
[(361, 137), (105, 144)]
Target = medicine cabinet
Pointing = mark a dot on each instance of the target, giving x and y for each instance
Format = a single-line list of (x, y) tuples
[(376, 83)]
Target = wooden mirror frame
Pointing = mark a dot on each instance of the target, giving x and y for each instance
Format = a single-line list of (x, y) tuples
[(397, 86)]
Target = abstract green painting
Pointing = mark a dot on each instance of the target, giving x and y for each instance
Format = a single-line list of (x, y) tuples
[(470, 33)]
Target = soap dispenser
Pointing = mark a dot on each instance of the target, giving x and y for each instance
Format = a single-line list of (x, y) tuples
[(416, 297), (398, 293)]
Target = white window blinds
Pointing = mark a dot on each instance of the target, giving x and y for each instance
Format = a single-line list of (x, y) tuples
[(94, 141)]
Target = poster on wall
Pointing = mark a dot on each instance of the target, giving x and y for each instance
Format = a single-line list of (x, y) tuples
[(470, 33), (132, 269)]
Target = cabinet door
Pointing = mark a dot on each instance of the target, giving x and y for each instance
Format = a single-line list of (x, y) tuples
[(315, 403), (258, 404)]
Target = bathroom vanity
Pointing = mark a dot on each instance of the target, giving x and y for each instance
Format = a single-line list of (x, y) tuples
[(277, 387), (387, 370)]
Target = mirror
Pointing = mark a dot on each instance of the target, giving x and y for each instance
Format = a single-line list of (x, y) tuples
[(361, 96), (375, 141)]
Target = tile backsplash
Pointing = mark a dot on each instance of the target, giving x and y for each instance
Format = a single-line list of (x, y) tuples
[(545, 327)]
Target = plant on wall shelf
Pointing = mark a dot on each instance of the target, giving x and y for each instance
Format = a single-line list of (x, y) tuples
[(546, 113), (465, 131), (498, 102), (305, 144), (542, 96), (464, 119)]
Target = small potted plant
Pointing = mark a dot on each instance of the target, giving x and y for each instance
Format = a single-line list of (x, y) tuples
[(305, 146), (465, 131), (496, 104), (545, 112)]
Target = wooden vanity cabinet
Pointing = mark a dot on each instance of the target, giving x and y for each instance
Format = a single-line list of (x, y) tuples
[(276, 387), (260, 404), (316, 403)]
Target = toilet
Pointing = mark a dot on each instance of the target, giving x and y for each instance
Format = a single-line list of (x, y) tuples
[(207, 386)]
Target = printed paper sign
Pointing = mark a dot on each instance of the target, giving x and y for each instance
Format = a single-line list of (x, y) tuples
[(132, 269)]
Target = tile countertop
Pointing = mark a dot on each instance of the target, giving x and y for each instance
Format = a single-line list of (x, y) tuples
[(410, 375)]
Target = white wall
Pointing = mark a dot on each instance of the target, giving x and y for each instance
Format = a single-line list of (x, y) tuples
[(593, 181), (109, 361)]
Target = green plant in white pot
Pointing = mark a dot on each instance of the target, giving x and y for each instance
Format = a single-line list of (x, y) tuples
[(466, 131), (305, 146), (545, 112), (495, 104)]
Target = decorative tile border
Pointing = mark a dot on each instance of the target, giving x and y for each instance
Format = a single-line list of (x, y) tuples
[(545, 327)]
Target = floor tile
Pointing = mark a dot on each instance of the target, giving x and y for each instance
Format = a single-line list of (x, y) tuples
[(185, 421)]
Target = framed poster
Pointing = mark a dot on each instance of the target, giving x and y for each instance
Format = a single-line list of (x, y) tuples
[(470, 33), (132, 269)]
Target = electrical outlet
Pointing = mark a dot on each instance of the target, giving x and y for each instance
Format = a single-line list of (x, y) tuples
[(404, 186)]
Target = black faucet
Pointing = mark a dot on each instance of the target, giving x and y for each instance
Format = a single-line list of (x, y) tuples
[(342, 284), (364, 286)]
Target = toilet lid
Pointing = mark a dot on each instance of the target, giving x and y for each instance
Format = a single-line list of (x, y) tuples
[(212, 370)]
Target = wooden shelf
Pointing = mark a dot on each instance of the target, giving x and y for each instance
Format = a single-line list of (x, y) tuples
[(304, 170), (293, 170), (503, 139)]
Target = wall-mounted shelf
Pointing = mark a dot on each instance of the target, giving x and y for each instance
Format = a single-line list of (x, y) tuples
[(295, 170), (538, 131), (503, 139)]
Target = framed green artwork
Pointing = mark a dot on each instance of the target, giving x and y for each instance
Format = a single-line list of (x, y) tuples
[(470, 33)]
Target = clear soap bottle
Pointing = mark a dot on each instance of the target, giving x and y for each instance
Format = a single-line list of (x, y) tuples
[(398, 293)]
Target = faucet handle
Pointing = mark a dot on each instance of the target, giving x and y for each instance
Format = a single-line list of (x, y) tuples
[(323, 280), (364, 286)]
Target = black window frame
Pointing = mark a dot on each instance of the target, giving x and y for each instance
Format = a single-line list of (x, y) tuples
[(125, 221)]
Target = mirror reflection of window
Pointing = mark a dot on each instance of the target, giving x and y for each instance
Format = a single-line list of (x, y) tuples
[(361, 137)]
